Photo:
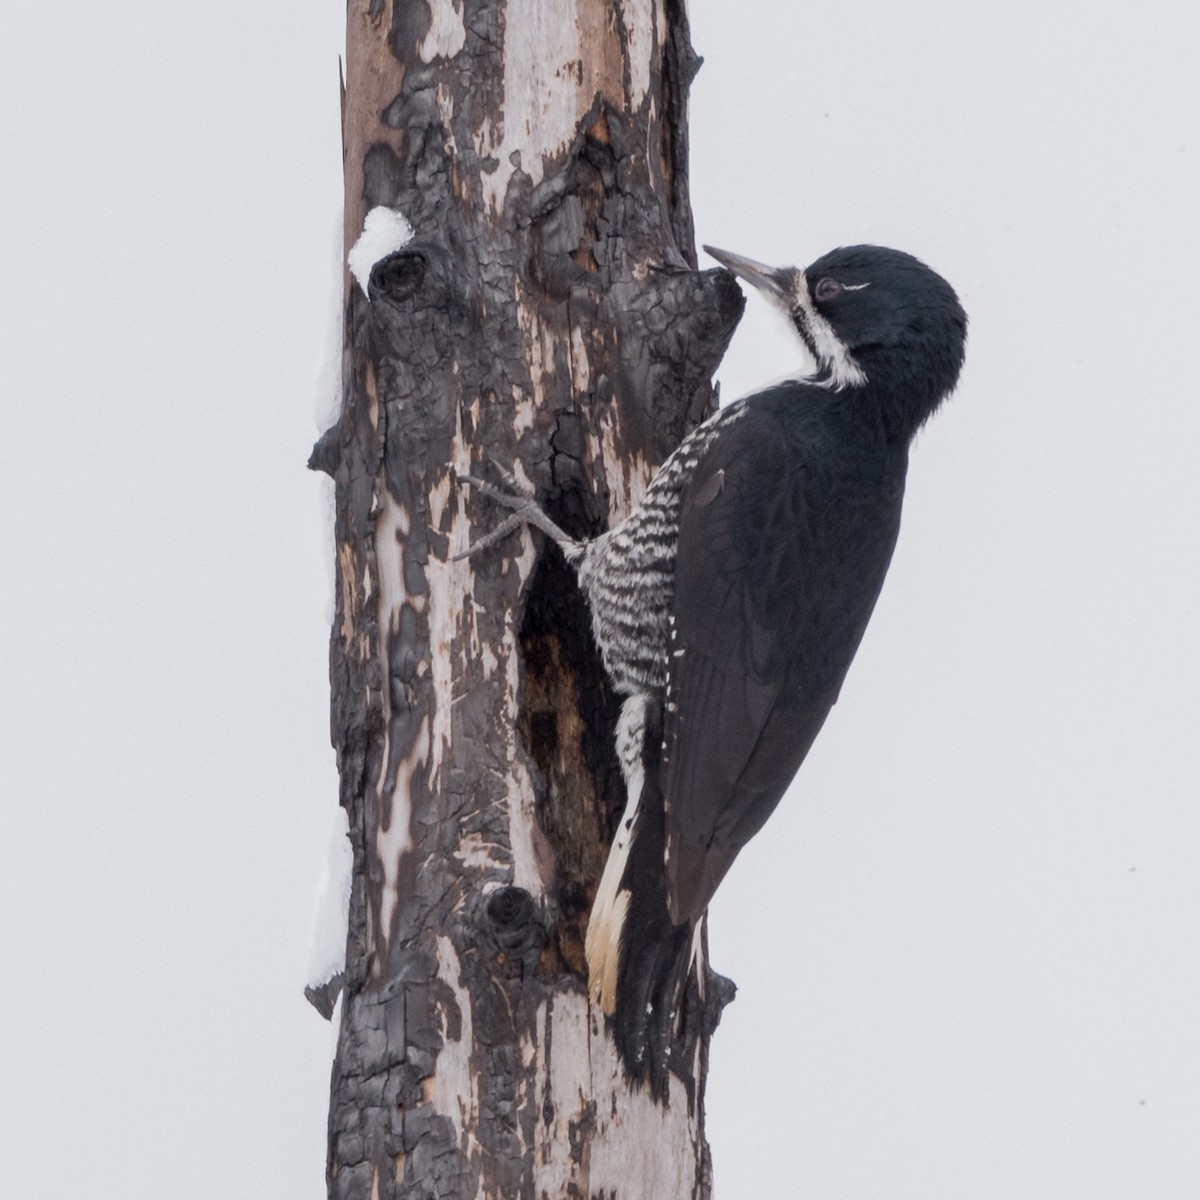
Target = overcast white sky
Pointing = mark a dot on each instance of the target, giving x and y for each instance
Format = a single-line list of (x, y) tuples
[(967, 945)]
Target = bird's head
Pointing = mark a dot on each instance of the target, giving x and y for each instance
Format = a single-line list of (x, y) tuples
[(871, 317)]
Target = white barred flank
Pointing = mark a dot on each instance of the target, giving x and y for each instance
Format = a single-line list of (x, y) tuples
[(606, 924), (628, 573)]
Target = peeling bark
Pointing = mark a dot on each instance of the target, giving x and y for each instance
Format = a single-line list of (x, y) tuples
[(549, 312)]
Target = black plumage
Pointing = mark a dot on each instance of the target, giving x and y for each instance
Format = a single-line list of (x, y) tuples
[(775, 579), (729, 605)]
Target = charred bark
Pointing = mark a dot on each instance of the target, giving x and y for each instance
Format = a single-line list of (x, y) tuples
[(548, 311)]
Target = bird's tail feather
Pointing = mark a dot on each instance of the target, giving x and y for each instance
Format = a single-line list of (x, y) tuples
[(605, 926), (602, 945), (638, 958), (655, 954), (651, 988)]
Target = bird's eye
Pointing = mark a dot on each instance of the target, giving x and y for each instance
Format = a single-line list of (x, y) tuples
[(828, 289)]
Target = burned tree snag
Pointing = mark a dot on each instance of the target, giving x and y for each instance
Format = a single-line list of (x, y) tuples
[(547, 311)]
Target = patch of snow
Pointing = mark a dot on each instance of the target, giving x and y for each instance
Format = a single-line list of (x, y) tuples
[(327, 499), (328, 398), (335, 1024), (327, 945), (384, 232)]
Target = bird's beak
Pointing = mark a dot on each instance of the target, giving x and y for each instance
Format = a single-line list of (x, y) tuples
[(768, 280)]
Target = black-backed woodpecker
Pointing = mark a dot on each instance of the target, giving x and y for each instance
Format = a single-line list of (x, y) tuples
[(729, 604)]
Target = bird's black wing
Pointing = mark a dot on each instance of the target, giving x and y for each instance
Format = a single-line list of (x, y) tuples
[(749, 686)]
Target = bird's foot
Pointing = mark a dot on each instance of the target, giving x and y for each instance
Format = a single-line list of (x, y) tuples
[(526, 511)]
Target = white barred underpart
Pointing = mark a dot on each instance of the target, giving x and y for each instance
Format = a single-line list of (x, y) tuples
[(628, 577), (832, 353), (628, 573)]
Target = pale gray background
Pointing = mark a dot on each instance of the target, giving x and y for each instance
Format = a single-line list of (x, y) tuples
[(967, 944)]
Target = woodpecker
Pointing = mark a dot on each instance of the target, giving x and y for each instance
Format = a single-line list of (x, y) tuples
[(729, 604)]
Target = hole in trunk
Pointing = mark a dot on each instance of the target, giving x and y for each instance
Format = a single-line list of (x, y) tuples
[(568, 716)]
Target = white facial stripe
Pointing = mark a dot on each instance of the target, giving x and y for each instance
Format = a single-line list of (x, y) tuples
[(832, 352)]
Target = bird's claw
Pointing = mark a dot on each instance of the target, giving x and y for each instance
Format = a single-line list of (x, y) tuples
[(510, 480), (525, 511), (517, 498), (490, 539)]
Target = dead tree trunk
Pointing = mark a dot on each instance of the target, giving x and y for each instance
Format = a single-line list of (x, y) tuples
[(548, 312)]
